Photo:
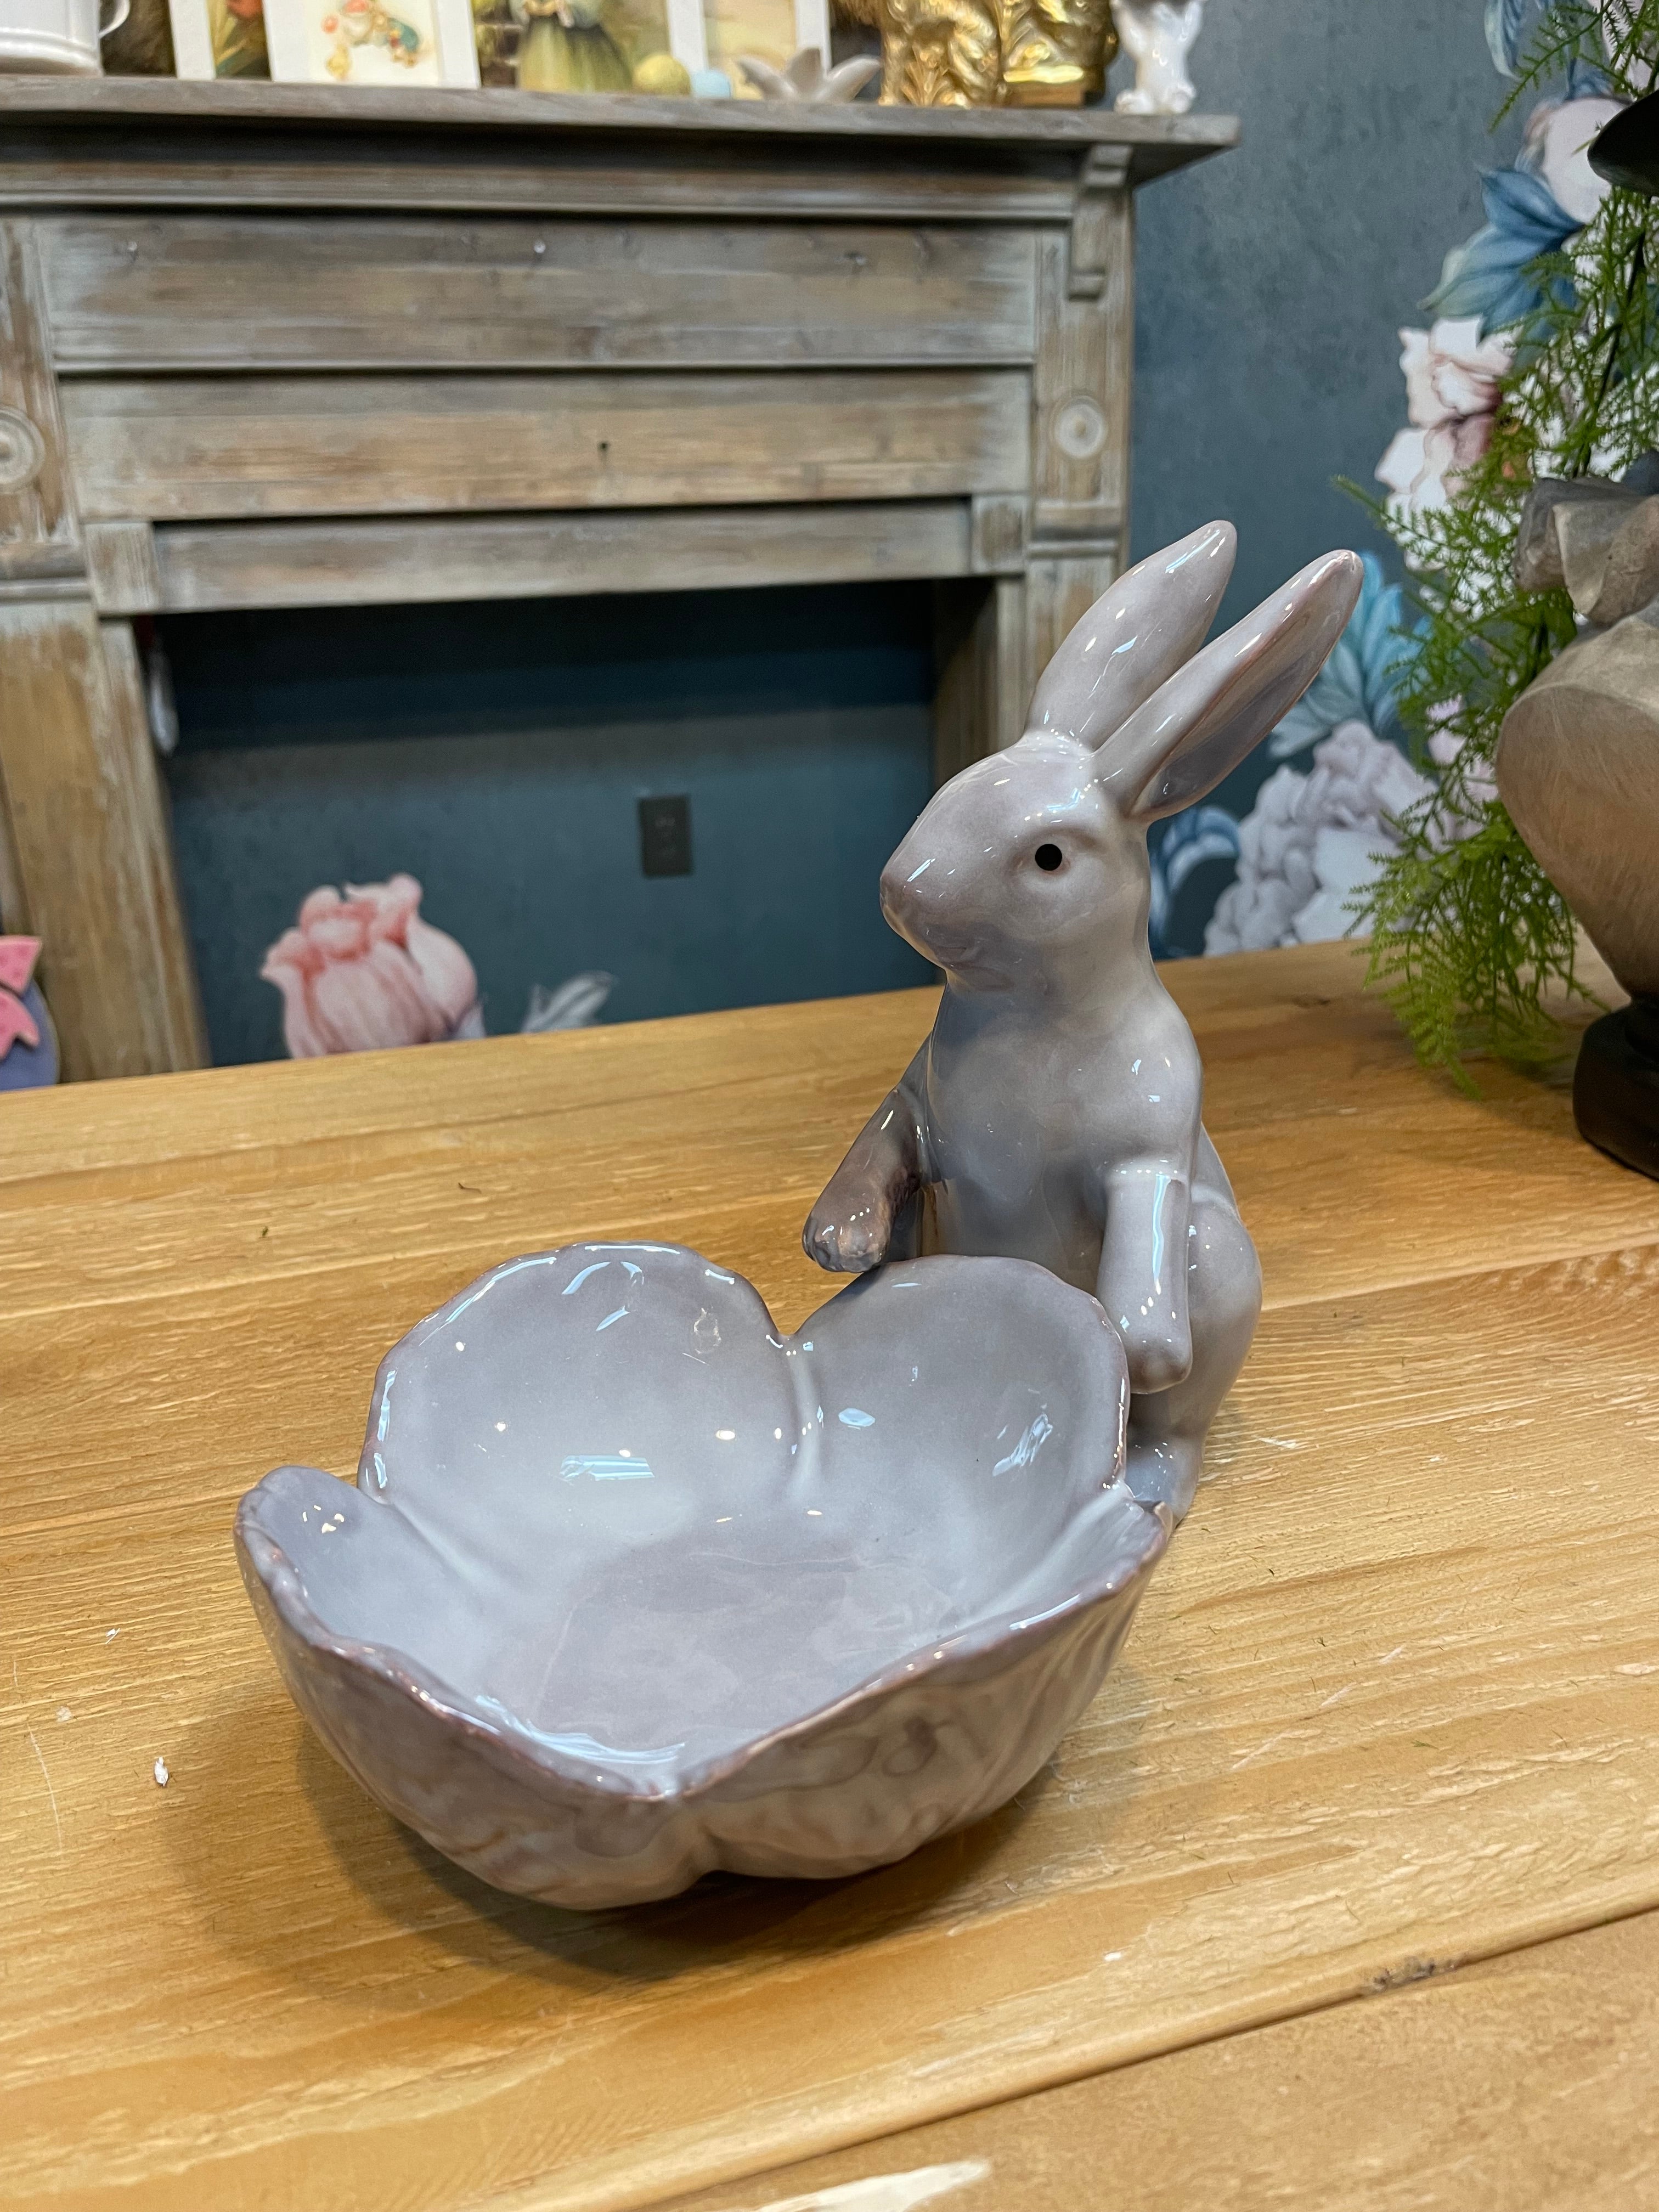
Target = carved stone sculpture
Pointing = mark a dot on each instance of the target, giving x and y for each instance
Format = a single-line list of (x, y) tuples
[(1578, 767), (989, 53), (1054, 1112)]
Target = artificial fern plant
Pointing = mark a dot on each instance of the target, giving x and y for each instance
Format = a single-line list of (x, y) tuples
[(1467, 936)]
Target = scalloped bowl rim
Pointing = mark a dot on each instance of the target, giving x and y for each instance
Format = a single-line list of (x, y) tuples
[(406, 1675)]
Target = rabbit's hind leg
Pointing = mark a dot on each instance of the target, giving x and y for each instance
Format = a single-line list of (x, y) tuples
[(1167, 1428)]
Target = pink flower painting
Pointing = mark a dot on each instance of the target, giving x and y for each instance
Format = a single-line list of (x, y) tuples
[(17, 957), (28, 1049), (1452, 376), (362, 972)]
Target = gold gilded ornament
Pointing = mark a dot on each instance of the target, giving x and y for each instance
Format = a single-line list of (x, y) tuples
[(989, 53)]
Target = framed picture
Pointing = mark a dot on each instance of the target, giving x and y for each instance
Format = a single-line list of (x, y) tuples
[(771, 30), (639, 29), (219, 38), (592, 46), (375, 42)]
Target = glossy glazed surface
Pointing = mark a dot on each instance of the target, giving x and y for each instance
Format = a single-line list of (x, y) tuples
[(1158, 35), (613, 1539), (1054, 1114)]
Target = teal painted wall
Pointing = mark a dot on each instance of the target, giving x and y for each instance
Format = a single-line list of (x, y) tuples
[(498, 753), (1272, 283)]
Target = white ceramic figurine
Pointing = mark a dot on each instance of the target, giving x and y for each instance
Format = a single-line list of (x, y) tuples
[(1158, 35)]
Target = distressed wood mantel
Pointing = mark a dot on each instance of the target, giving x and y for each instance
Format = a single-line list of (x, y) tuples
[(267, 346)]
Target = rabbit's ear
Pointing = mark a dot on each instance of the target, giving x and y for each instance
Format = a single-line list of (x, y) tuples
[(1141, 632), (1209, 715)]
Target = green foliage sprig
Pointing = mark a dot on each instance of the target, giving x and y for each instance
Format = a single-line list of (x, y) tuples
[(1609, 42), (1468, 938)]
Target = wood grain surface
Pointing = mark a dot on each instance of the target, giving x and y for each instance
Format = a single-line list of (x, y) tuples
[(119, 102), (1525, 2084), (350, 561), (237, 292), (187, 448), (143, 143), (88, 831), (1392, 1702), (40, 536), (1080, 387)]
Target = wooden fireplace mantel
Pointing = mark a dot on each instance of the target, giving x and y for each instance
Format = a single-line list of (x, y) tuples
[(266, 346)]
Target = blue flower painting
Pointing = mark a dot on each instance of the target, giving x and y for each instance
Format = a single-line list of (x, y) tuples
[(1490, 277), (1360, 681)]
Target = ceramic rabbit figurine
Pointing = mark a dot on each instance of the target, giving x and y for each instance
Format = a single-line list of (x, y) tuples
[(1052, 1113)]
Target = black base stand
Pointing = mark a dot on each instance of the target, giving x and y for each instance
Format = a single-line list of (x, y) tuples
[(1615, 1085)]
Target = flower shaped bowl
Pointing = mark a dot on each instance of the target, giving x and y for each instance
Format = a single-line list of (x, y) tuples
[(632, 1587)]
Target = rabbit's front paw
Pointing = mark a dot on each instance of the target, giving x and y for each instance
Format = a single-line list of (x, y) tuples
[(1156, 1363), (848, 1235)]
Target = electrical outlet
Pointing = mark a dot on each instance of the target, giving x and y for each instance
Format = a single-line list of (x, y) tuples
[(666, 836)]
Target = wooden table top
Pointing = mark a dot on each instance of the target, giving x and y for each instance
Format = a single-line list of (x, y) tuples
[(1392, 1704)]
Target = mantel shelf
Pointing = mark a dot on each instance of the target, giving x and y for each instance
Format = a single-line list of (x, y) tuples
[(1150, 145)]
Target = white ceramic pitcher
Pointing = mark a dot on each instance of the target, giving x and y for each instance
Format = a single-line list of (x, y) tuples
[(58, 38)]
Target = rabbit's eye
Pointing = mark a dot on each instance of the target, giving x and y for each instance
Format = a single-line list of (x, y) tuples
[(1049, 858)]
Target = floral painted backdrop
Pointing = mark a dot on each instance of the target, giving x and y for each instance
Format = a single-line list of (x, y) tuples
[(1286, 870)]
